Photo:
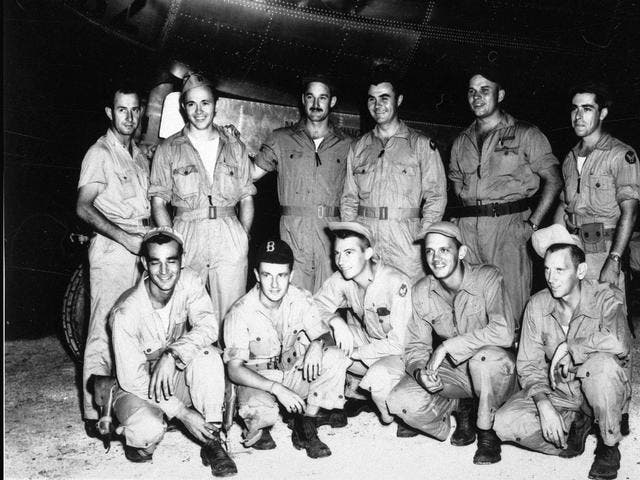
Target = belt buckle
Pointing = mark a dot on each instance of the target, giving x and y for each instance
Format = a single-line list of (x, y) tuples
[(383, 214), (494, 209), (320, 211), (213, 213)]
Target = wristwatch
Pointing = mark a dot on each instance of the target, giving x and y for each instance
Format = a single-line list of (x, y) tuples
[(534, 226), (615, 257)]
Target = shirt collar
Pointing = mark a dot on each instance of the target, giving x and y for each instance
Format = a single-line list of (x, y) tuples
[(603, 143), (505, 122), (469, 283), (181, 137), (586, 307)]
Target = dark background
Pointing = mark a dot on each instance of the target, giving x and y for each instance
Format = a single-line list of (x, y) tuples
[(60, 55)]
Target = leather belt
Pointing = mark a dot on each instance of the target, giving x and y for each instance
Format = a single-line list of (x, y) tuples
[(491, 209), (386, 213), (264, 364), (206, 213), (140, 222), (320, 211)]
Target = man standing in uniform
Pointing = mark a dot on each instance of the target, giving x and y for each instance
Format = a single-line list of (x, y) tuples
[(205, 173), (276, 354), (163, 331), (379, 299), (112, 199), (467, 307), (395, 181), (311, 160), (496, 166), (573, 361), (602, 186)]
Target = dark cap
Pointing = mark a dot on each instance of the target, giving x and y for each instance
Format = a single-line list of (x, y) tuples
[(274, 251), (490, 72), (166, 231), (447, 229)]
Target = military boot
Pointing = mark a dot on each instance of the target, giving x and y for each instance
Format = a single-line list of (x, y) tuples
[(266, 441), (214, 454), (405, 431), (624, 424), (465, 432), (137, 455), (578, 433), (305, 435), (354, 407), (334, 418), (607, 462), (488, 451)]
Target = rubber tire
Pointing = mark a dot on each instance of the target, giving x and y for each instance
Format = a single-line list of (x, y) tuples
[(75, 313)]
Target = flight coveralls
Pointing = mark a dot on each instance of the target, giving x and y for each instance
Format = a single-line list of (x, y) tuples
[(505, 170), (398, 190), (610, 175), (309, 189), (216, 244), (599, 342), (378, 321), (273, 343), (140, 336), (477, 328), (124, 180)]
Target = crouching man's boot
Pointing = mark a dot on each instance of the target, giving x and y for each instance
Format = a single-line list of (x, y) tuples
[(578, 433), (305, 435), (488, 451), (215, 455), (465, 432), (607, 462)]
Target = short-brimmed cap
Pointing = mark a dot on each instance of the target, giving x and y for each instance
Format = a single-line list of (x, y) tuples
[(274, 251), (447, 229), (195, 80), (167, 231), (356, 227)]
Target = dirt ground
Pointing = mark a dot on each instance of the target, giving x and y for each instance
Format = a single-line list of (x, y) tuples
[(44, 438)]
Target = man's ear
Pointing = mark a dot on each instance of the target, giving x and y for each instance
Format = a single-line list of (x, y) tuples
[(462, 252), (501, 95), (582, 270), (143, 259), (400, 98), (368, 253), (333, 102), (255, 272), (109, 112), (603, 113)]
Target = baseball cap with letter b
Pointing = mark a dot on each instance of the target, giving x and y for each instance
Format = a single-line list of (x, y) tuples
[(274, 251)]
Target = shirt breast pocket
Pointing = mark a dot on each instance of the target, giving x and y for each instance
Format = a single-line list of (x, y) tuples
[(126, 185), (601, 190), (384, 318), (508, 159), (185, 179), (363, 177)]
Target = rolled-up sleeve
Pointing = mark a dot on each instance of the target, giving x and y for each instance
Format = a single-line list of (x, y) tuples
[(267, 157), (236, 336), (161, 179), (247, 188), (330, 298), (626, 171), (539, 153)]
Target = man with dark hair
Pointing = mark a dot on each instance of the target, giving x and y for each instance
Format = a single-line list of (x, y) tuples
[(467, 308), (573, 361), (166, 366), (395, 181), (602, 186), (379, 301), (112, 199), (277, 352), (204, 174), (496, 166), (310, 158)]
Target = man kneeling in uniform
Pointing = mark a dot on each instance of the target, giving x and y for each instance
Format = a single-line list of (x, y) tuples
[(379, 301), (163, 368), (276, 352), (572, 362), (468, 308)]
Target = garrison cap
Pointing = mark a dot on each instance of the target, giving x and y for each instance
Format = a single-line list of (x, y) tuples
[(356, 227), (274, 251), (545, 237), (167, 231), (194, 80), (447, 229)]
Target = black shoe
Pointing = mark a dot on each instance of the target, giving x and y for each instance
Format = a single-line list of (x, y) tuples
[(354, 407), (266, 441), (624, 424), (137, 455), (213, 454), (334, 418), (578, 433), (488, 451), (305, 435), (91, 428), (607, 462), (405, 431), (465, 432)]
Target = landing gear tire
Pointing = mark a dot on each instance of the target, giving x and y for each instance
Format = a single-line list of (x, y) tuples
[(75, 313)]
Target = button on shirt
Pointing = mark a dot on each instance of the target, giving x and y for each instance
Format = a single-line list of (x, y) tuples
[(479, 315), (124, 179), (506, 167), (383, 309), (610, 175), (255, 333), (599, 325), (138, 331)]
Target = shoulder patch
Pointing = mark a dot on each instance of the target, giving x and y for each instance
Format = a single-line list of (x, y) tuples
[(630, 157), (432, 144), (403, 290)]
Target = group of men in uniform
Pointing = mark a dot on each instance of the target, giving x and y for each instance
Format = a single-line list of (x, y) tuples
[(320, 344)]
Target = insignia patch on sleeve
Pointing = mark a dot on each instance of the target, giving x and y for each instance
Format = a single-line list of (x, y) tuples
[(383, 311), (630, 157), (432, 144), (403, 290)]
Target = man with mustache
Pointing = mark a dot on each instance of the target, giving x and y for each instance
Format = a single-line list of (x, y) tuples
[(310, 158), (395, 181), (573, 361), (204, 173), (602, 186), (112, 199), (496, 166)]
